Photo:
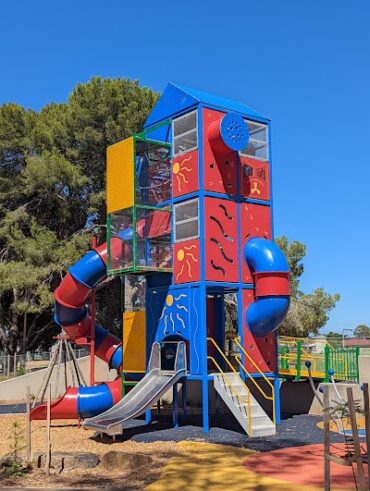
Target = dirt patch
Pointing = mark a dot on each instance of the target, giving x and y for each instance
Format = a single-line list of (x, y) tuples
[(67, 436)]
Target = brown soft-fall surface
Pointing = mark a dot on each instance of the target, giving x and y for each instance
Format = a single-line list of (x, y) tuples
[(68, 437)]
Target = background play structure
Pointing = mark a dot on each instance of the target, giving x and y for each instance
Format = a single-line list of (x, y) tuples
[(189, 206)]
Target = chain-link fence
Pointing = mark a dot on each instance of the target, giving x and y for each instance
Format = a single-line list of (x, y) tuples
[(20, 364)]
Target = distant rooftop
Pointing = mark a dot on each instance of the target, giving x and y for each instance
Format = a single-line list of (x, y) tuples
[(177, 98), (360, 342)]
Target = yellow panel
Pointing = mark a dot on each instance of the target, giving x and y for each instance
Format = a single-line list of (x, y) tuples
[(134, 342), (120, 175)]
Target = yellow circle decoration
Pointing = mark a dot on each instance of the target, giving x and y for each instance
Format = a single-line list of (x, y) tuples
[(176, 168), (180, 255), (169, 300)]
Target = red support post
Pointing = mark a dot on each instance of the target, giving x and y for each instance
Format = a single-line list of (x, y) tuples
[(92, 326)]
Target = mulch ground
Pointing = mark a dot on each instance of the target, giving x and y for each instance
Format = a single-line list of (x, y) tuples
[(183, 458), (67, 436)]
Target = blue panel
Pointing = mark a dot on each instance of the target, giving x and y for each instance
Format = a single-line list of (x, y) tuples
[(221, 102), (234, 132), (264, 255), (162, 134), (89, 270), (196, 331), (65, 316), (171, 101), (266, 314), (177, 98), (93, 400), (171, 308), (116, 359)]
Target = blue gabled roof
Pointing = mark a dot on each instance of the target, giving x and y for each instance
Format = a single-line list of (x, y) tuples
[(177, 98)]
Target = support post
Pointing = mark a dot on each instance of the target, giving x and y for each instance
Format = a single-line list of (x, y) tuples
[(277, 400), (48, 439), (327, 367), (28, 426), (356, 440), (183, 400), (175, 406), (367, 426), (92, 326), (298, 365), (326, 439)]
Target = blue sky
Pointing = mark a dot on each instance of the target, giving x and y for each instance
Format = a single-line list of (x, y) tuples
[(303, 63)]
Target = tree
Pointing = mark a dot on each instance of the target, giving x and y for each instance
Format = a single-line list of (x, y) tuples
[(334, 338), (362, 331), (52, 195), (307, 312)]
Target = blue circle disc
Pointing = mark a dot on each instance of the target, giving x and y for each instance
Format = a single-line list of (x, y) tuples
[(234, 131)]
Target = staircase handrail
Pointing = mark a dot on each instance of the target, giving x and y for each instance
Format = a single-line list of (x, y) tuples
[(229, 383)]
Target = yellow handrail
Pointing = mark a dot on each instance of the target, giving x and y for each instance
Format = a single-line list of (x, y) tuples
[(239, 377), (233, 389), (270, 398)]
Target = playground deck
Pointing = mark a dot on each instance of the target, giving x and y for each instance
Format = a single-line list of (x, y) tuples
[(295, 352)]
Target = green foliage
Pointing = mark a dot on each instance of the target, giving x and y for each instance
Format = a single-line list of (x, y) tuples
[(334, 338), (294, 252), (52, 193), (362, 331), (307, 312)]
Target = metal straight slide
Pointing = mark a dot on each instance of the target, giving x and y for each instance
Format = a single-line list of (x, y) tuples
[(143, 395)]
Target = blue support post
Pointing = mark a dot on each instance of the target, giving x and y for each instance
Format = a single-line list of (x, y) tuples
[(183, 400), (277, 399), (148, 416)]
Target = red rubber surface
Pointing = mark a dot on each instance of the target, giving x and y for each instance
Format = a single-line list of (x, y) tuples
[(302, 466)]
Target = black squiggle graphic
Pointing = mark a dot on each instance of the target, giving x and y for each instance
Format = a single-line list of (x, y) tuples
[(218, 268), (215, 241), (223, 207), (221, 228)]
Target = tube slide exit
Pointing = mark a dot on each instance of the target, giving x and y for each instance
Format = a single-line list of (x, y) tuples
[(271, 276), (71, 314)]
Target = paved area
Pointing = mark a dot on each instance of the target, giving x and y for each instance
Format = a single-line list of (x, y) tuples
[(12, 408)]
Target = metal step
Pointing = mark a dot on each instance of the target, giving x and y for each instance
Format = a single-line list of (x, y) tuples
[(260, 424)]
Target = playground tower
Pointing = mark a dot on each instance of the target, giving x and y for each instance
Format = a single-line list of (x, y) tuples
[(189, 204)]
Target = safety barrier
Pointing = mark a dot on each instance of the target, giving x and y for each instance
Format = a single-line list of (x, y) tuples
[(293, 353)]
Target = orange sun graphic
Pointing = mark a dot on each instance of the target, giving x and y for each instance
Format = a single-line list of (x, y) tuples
[(183, 256), (180, 170)]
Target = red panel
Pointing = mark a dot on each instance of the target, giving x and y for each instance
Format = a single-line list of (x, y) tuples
[(261, 349), (256, 222), (221, 240), (219, 169), (159, 223), (185, 174), (254, 178), (186, 261)]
